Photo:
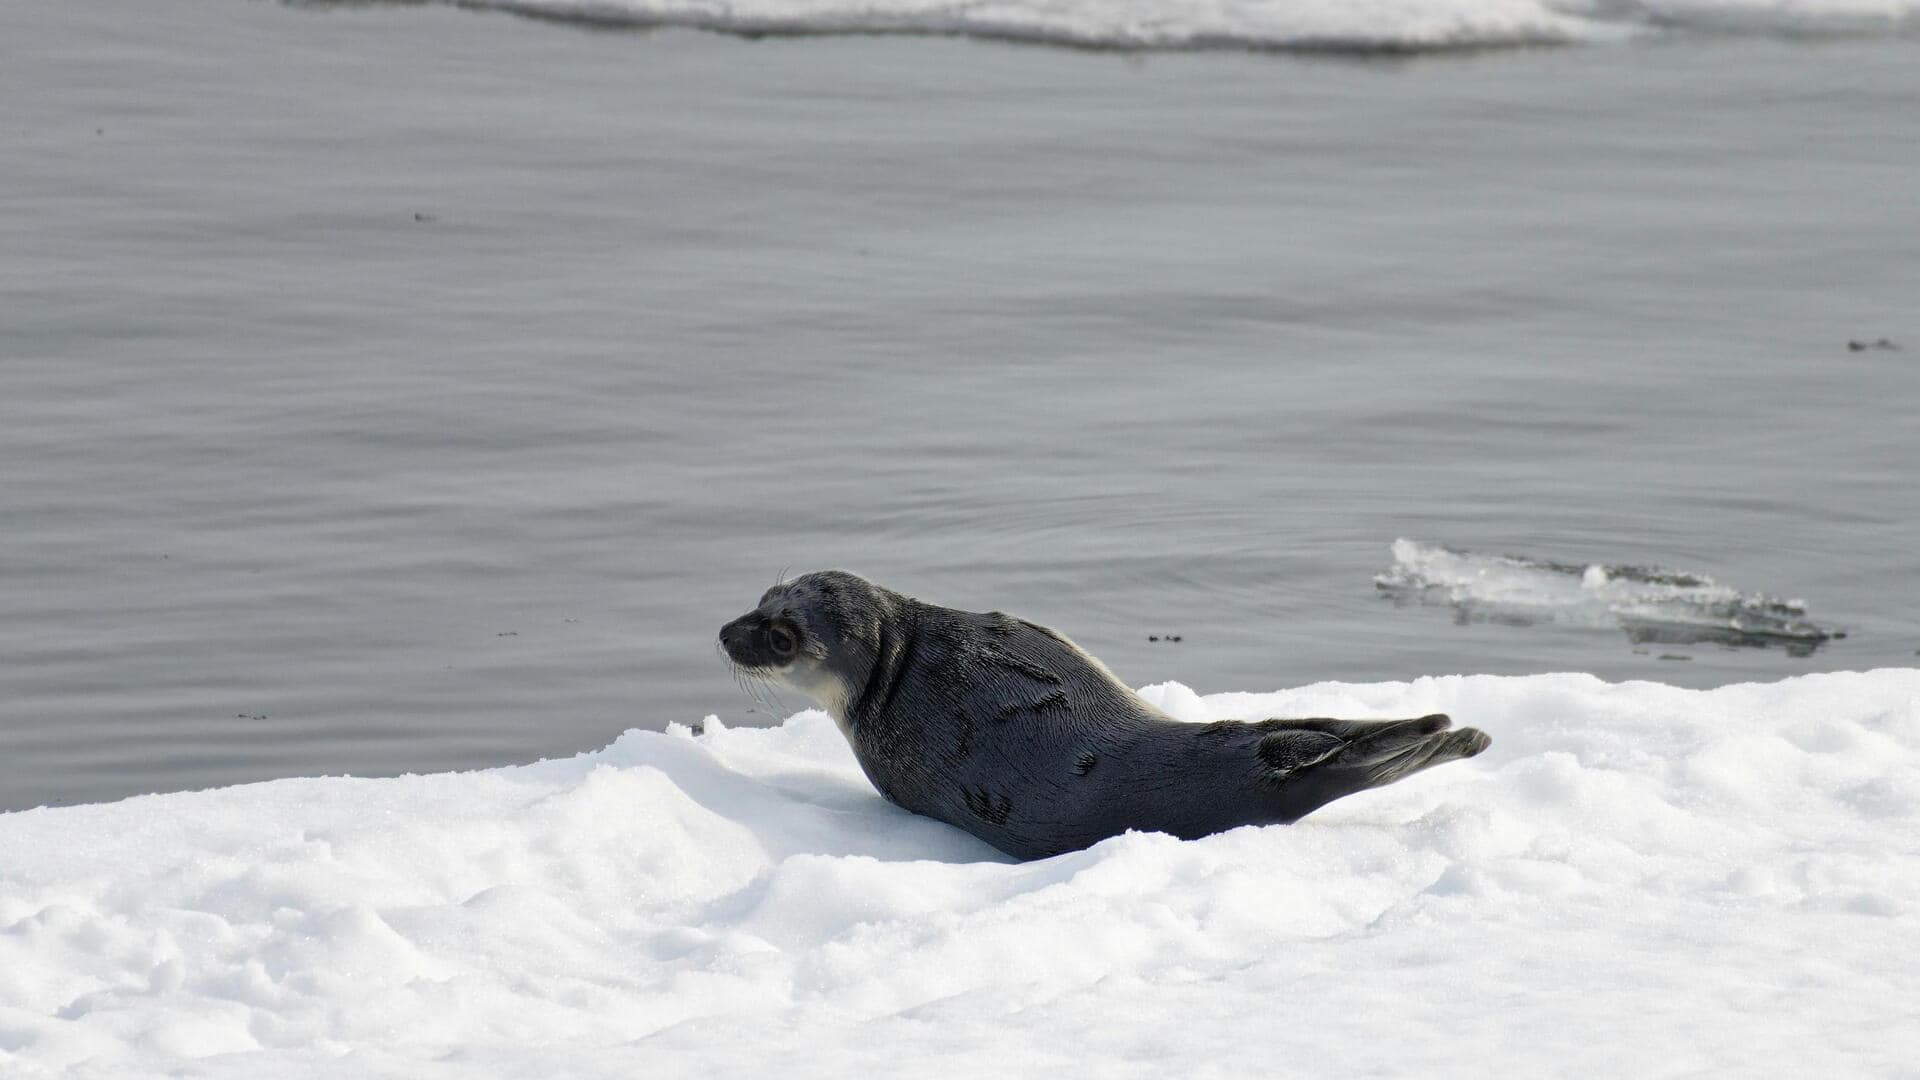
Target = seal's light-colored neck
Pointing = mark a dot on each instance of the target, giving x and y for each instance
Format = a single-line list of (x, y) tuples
[(823, 687)]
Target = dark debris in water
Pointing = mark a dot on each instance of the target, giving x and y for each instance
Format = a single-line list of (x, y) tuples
[(1885, 344)]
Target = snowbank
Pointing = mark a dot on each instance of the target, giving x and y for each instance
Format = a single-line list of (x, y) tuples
[(1635, 880)]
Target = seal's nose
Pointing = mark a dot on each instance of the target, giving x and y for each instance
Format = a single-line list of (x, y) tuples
[(733, 637)]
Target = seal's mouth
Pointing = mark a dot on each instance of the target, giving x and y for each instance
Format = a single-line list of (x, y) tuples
[(750, 656)]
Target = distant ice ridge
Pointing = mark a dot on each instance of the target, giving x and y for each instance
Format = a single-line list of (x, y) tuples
[(1635, 880), (1649, 603), (1357, 25)]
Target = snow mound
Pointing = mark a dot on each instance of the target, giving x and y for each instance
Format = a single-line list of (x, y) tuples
[(1635, 880)]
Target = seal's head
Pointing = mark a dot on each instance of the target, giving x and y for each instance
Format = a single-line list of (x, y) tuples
[(818, 633)]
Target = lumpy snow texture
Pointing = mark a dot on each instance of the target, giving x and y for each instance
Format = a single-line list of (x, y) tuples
[(1636, 880), (1333, 24)]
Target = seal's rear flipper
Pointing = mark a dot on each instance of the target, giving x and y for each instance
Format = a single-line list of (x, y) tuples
[(1404, 748), (1313, 762)]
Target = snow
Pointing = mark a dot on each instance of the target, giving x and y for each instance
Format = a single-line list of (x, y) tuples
[(1329, 24), (1635, 880)]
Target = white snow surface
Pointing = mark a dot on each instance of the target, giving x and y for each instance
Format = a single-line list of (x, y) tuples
[(1333, 24), (1636, 880)]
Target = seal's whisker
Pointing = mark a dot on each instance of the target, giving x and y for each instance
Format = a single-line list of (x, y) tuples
[(773, 702), (739, 674), (757, 685), (768, 695)]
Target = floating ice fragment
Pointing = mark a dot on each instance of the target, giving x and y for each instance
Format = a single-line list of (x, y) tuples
[(1401, 26), (1650, 604)]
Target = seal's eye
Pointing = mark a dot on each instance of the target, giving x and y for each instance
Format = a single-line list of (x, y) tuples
[(782, 641)]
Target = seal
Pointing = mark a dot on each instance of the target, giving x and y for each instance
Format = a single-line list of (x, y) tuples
[(1008, 730)]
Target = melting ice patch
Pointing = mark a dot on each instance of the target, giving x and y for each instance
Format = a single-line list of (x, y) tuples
[(1354, 25), (1649, 603), (1635, 880)]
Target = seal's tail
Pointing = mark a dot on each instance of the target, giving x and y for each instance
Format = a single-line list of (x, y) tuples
[(1310, 763)]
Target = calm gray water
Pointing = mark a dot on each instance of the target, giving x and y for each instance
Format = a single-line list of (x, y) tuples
[(402, 389)]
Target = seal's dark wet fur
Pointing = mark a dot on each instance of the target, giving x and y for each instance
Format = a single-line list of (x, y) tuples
[(1009, 731)]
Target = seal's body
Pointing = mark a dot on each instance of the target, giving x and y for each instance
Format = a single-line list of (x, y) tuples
[(1013, 733)]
